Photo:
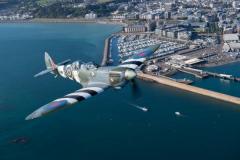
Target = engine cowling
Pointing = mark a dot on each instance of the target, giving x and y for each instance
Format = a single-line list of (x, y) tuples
[(116, 78), (119, 77)]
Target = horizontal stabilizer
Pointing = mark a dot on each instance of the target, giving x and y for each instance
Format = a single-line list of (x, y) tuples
[(64, 62), (43, 72), (51, 66)]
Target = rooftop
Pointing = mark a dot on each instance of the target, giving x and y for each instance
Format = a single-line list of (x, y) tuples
[(231, 37)]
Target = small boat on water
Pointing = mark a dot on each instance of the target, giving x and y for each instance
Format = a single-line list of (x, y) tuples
[(185, 81), (144, 109), (110, 61)]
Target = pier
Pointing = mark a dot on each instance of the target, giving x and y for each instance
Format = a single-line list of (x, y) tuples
[(196, 72), (203, 74), (193, 89), (224, 76)]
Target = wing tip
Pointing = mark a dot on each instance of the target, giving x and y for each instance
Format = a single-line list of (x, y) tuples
[(50, 107), (32, 116)]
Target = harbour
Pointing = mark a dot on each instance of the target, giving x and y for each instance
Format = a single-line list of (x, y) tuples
[(183, 84)]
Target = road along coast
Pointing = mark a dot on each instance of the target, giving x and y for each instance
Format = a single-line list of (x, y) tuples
[(65, 20)]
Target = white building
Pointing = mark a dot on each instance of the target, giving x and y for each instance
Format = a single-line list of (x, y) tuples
[(119, 17), (134, 28), (231, 47), (228, 38), (184, 35), (91, 16), (147, 16), (236, 4)]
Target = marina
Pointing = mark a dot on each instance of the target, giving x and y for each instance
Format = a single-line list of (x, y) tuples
[(127, 45)]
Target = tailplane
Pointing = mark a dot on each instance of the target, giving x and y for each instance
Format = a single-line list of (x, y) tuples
[(50, 65)]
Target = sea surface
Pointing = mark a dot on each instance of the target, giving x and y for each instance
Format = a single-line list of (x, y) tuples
[(105, 126)]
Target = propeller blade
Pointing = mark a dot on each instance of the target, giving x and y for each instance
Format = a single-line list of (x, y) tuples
[(136, 91)]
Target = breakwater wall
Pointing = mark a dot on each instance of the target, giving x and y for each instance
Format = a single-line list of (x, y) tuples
[(106, 51), (201, 91)]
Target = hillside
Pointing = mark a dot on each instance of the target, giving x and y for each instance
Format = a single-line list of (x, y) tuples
[(57, 8)]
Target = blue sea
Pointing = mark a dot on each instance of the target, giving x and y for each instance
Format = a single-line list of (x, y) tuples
[(105, 126)]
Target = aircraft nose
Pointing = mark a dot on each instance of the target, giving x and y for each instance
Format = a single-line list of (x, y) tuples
[(130, 74)]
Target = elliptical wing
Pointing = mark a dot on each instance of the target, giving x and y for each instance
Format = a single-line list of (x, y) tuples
[(66, 101)]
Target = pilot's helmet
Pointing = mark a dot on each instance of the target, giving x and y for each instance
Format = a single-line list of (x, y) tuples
[(75, 65), (90, 65)]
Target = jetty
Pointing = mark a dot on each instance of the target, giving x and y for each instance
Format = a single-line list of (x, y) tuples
[(196, 72), (204, 74), (224, 76), (105, 58), (105, 52), (193, 89)]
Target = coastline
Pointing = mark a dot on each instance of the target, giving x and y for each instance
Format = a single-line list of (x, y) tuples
[(65, 20), (103, 21)]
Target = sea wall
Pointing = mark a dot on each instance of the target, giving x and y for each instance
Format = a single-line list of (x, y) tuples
[(106, 52), (201, 91)]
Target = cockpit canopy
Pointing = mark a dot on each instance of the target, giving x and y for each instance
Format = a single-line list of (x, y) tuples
[(82, 65), (89, 66)]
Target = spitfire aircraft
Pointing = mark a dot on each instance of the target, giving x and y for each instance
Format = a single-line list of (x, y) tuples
[(94, 79)]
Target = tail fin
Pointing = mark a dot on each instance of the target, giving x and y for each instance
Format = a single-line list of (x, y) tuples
[(51, 66), (49, 62)]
